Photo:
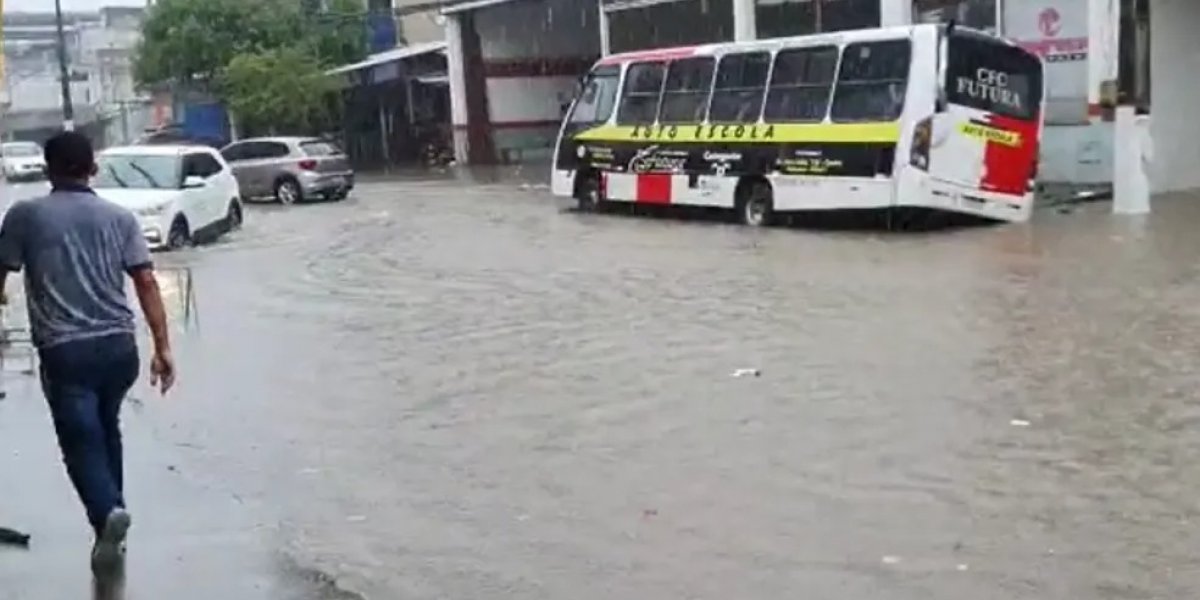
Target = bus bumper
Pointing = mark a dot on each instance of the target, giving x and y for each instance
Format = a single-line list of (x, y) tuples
[(562, 185), (989, 205)]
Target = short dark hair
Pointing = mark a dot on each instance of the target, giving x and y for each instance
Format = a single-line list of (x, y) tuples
[(70, 154)]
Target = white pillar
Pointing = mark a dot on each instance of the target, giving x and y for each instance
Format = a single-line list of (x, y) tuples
[(605, 42), (457, 73), (1133, 153), (744, 26), (1104, 18), (895, 13)]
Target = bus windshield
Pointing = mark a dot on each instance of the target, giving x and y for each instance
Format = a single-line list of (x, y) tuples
[(597, 97), (987, 75)]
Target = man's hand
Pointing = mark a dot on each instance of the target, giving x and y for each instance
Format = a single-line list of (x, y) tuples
[(162, 372)]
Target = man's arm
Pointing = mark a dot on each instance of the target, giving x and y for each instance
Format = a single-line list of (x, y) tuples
[(150, 298), (136, 259), (12, 255)]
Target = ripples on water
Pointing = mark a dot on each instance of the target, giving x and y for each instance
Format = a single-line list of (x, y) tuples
[(513, 402)]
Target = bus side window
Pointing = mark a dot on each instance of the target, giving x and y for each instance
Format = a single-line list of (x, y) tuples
[(639, 100), (685, 96), (740, 88), (872, 81), (801, 84)]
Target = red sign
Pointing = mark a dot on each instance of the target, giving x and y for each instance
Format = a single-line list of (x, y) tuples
[(1050, 22)]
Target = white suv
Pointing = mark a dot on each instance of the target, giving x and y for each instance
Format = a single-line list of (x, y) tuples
[(180, 194)]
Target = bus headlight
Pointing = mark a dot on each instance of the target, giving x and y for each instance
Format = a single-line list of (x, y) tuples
[(921, 143)]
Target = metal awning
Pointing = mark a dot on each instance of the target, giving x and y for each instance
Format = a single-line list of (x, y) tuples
[(472, 5), (619, 5), (391, 56)]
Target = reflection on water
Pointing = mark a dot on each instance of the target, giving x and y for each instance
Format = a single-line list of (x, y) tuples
[(178, 288)]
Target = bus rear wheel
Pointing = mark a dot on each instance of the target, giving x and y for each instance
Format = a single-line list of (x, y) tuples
[(756, 205)]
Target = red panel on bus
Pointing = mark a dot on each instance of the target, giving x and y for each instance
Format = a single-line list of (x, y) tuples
[(654, 188), (1008, 168)]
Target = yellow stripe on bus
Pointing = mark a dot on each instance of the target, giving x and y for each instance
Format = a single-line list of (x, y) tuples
[(990, 134), (760, 133)]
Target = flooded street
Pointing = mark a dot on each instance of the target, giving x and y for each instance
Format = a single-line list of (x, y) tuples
[(443, 390)]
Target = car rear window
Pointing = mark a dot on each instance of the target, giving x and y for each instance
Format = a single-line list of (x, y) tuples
[(318, 149)]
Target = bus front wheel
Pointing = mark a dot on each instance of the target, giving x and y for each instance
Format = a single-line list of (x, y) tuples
[(756, 205), (588, 194)]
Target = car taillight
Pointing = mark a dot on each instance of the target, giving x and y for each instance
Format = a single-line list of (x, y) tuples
[(308, 164), (922, 141)]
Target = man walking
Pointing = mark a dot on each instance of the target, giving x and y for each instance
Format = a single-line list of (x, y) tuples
[(76, 250)]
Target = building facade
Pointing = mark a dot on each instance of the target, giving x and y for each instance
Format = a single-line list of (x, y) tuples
[(100, 53)]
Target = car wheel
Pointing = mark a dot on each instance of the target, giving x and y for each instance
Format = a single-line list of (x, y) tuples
[(756, 207), (233, 218), (288, 192), (180, 236)]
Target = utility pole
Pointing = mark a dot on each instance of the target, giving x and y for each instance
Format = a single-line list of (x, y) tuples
[(64, 72)]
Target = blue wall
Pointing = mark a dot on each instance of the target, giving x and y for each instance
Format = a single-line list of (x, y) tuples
[(206, 121)]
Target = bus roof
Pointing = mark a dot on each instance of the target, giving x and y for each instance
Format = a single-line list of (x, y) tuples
[(837, 37)]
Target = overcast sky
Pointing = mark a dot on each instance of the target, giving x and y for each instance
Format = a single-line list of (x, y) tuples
[(48, 5)]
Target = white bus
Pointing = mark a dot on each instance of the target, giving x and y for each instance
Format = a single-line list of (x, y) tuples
[(927, 116)]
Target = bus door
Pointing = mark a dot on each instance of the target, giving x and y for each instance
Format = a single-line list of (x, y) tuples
[(986, 132)]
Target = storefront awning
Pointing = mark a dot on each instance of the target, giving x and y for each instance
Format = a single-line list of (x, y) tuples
[(391, 56), (617, 5), (472, 5)]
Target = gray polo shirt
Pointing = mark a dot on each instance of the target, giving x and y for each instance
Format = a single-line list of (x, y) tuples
[(75, 249)]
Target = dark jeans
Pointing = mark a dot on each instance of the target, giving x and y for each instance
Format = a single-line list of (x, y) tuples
[(85, 382)]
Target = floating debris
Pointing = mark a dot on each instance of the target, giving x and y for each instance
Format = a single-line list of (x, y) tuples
[(1019, 423), (10, 537), (740, 373), (890, 560)]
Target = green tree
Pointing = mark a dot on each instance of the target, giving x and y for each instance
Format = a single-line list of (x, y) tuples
[(338, 35), (278, 91), (190, 42)]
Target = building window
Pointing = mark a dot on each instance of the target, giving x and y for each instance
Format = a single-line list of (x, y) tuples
[(685, 96), (801, 84), (780, 18), (872, 82), (740, 87), (643, 88), (976, 14), (638, 26)]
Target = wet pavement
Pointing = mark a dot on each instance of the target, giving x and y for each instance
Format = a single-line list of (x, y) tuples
[(448, 389)]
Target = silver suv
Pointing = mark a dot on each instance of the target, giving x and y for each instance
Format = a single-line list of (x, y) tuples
[(290, 169)]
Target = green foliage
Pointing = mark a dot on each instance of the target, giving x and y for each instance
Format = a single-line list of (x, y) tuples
[(190, 42), (278, 91), (264, 58), (339, 35)]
